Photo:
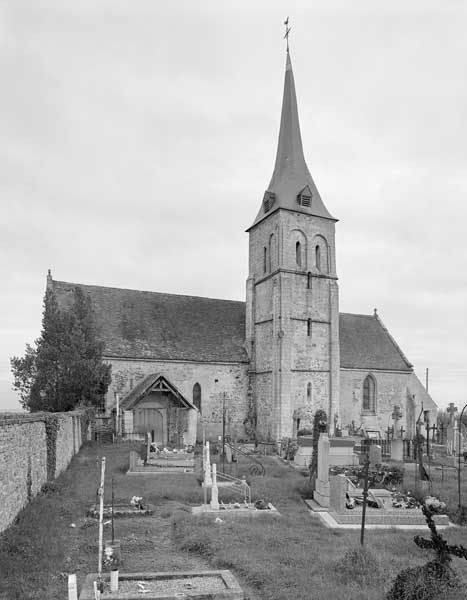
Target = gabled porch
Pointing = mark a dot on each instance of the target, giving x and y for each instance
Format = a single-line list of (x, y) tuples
[(156, 406)]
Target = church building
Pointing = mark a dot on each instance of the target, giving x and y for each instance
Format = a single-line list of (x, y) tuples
[(183, 364)]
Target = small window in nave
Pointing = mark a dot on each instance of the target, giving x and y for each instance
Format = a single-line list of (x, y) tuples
[(197, 396)]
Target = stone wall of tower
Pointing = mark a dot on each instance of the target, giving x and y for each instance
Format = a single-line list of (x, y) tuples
[(294, 331)]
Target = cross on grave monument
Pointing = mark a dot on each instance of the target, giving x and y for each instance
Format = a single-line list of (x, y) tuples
[(396, 416), (450, 429), (148, 446), (451, 409), (397, 445)]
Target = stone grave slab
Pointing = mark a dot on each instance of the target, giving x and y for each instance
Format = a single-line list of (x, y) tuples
[(161, 463), (122, 510), (201, 585), (235, 510)]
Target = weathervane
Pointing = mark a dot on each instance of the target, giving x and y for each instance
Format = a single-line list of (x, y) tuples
[(287, 31)]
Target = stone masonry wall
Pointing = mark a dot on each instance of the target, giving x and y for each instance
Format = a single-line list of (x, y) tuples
[(215, 379), (391, 388), (24, 453)]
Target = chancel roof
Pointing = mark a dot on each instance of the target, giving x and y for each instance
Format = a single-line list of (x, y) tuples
[(365, 343), (136, 324)]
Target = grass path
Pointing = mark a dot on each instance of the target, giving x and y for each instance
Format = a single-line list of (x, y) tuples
[(290, 557)]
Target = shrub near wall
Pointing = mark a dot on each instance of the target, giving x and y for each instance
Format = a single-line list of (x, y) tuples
[(35, 448)]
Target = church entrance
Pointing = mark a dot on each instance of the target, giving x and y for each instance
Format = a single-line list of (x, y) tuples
[(152, 420), (161, 410)]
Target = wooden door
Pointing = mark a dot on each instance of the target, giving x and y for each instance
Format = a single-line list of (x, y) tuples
[(152, 420)]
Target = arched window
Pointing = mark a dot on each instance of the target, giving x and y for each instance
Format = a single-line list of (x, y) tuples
[(298, 254), (318, 258), (265, 259), (369, 394), (308, 327), (308, 392), (309, 281), (197, 396)]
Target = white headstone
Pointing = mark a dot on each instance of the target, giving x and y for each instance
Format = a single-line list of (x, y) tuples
[(207, 466), (214, 490), (322, 489), (323, 457)]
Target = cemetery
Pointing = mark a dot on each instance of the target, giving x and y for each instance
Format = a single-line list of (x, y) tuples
[(192, 544), (152, 460)]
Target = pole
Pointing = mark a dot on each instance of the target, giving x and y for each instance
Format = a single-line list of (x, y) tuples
[(101, 526), (459, 458), (426, 380), (113, 532), (365, 492), (223, 433), (117, 424)]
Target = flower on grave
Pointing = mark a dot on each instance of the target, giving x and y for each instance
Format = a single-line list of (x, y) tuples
[(110, 559), (137, 502), (435, 504)]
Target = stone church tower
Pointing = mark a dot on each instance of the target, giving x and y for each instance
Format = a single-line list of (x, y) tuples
[(292, 311)]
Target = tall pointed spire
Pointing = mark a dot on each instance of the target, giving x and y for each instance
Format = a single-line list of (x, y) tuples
[(291, 175)]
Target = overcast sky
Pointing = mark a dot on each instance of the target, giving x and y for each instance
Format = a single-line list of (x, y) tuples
[(137, 139)]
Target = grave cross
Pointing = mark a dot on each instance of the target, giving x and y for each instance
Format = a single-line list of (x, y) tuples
[(451, 410), (402, 431), (437, 543)]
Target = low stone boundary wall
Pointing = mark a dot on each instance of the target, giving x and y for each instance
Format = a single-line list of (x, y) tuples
[(34, 448)]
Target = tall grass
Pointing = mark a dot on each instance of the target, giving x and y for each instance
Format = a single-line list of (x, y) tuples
[(276, 558)]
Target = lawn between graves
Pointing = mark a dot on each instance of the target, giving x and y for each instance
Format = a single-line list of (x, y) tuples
[(275, 558)]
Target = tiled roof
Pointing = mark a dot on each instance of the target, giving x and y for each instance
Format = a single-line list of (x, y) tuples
[(149, 383), (137, 324), (366, 344)]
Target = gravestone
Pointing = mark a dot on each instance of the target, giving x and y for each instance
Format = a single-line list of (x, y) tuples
[(341, 452), (397, 449), (322, 488), (207, 465), (375, 455), (338, 489), (214, 489), (148, 446)]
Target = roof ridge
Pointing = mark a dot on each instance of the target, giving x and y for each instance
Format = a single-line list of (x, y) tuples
[(356, 314), (109, 287)]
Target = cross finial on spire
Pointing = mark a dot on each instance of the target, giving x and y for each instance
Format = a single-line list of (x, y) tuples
[(287, 31)]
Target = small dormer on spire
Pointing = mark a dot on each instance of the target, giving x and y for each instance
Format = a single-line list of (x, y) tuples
[(291, 185)]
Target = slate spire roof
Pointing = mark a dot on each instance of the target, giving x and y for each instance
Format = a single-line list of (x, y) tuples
[(291, 174)]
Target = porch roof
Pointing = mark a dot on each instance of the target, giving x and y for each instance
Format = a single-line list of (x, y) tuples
[(155, 382)]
